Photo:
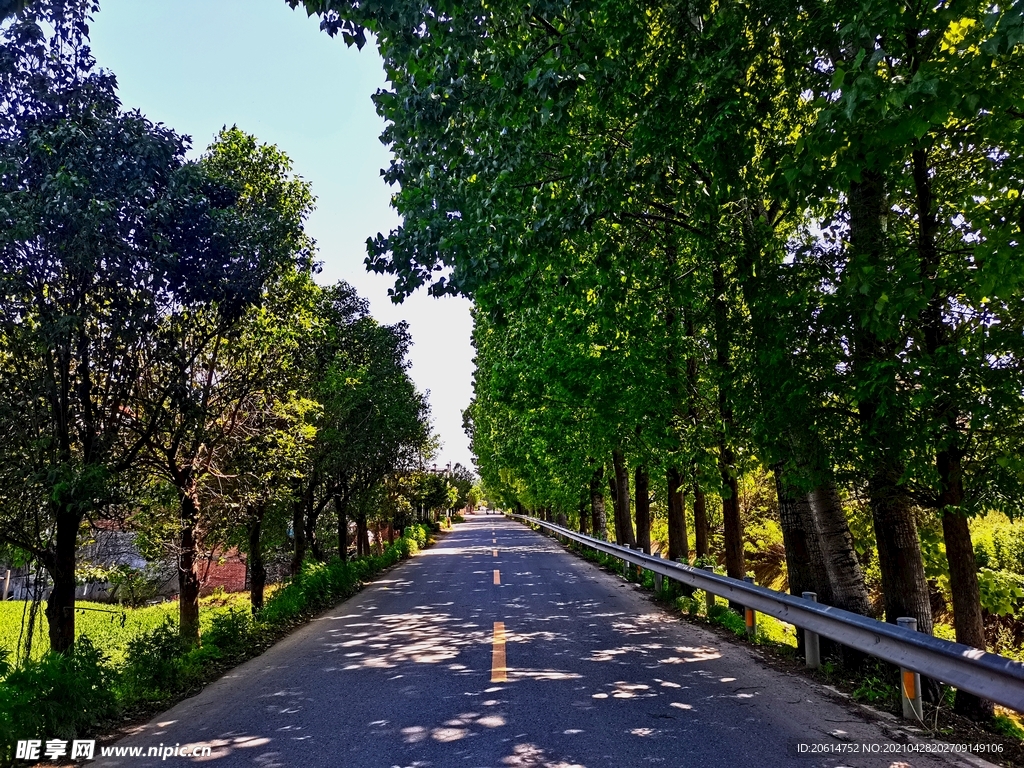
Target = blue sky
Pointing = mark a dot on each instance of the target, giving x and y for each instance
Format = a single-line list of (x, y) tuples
[(198, 65)]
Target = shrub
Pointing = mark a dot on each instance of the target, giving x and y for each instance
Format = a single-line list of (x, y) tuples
[(320, 585), (407, 547), (57, 696), (417, 533), (152, 668), (230, 633)]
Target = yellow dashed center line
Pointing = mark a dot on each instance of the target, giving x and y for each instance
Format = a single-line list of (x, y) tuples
[(494, 552), (499, 673), (497, 576), (494, 541)]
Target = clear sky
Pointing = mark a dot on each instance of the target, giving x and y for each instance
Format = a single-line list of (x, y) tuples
[(198, 65)]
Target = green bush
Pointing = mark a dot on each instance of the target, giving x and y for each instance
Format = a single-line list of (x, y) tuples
[(417, 533), (1001, 591), (407, 547), (689, 605), (57, 696), (998, 543), (152, 669), (230, 633)]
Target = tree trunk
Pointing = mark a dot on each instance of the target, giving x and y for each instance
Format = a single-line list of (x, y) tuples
[(641, 487), (963, 577), (701, 531), (584, 519), (735, 566), (700, 515), (341, 508), (904, 586), (794, 514), (60, 563), (298, 533), (806, 559), (899, 548), (362, 535), (845, 576), (188, 573), (616, 517), (678, 543), (312, 515), (623, 518), (731, 522), (257, 570), (598, 519)]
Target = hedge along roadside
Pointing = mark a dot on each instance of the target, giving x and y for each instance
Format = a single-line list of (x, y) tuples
[(74, 695)]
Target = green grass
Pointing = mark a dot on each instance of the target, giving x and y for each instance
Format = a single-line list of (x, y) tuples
[(103, 628), (1009, 723)]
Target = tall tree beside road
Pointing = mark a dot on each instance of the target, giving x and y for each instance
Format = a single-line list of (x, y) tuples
[(90, 200), (253, 243)]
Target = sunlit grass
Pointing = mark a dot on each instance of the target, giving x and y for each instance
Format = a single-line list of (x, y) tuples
[(102, 622), (1010, 723)]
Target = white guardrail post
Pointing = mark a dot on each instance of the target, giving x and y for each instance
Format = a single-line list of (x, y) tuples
[(987, 675), (812, 648), (910, 681), (709, 596)]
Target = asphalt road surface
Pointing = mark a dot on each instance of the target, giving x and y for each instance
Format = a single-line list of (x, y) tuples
[(497, 648)]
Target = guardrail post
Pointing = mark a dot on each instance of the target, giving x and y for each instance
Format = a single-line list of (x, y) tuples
[(625, 566), (812, 650), (657, 583), (683, 588), (709, 596), (910, 681), (749, 616)]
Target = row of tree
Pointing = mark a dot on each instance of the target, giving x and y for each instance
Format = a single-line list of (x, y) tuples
[(166, 359), (706, 235)]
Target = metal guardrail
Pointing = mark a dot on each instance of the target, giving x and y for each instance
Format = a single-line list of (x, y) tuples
[(984, 674)]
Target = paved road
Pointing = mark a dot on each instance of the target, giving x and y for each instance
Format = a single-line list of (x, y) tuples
[(413, 672)]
